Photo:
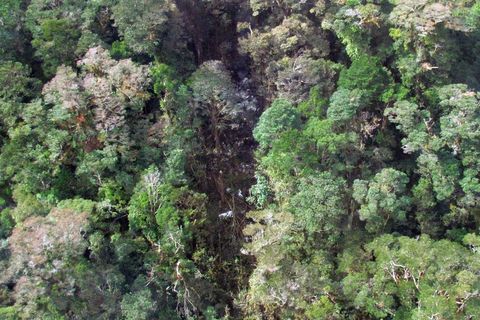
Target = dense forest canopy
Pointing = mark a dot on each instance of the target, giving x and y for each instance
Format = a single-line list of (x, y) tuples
[(240, 159)]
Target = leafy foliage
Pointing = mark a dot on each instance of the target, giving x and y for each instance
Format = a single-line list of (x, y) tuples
[(319, 206), (439, 275), (382, 199), (239, 159), (280, 117), (141, 23)]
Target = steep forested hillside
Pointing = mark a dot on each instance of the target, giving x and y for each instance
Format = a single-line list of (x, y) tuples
[(240, 159)]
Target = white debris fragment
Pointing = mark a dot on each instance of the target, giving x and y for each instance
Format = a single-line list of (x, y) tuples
[(244, 251), (225, 215)]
